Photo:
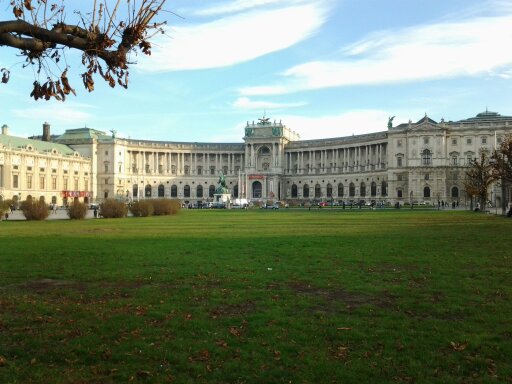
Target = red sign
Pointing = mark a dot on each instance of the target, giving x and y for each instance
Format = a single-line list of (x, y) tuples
[(256, 177), (76, 194)]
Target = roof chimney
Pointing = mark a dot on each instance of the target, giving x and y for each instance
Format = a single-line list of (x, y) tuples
[(5, 129), (46, 132)]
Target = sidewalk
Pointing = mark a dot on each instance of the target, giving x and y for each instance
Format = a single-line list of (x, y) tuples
[(60, 214)]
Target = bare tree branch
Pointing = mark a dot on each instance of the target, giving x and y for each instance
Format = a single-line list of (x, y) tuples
[(105, 49)]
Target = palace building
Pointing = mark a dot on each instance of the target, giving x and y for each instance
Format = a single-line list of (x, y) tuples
[(421, 162)]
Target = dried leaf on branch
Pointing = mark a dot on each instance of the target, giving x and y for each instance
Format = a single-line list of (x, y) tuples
[(108, 34)]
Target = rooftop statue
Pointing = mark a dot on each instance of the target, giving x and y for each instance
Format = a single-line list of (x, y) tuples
[(390, 122)]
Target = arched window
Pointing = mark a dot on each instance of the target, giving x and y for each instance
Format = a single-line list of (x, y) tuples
[(426, 192), (318, 191), (199, 191), (384, 189), (256, 190), (340, 190), (294, 190), (147, 191), (305, 191), (362, 190), (373, 189), (455, 192), (174, 191), (329, 190), (211, 190), (186, 191), (426, 157), (351, 190), (135, 190), (161, 190)]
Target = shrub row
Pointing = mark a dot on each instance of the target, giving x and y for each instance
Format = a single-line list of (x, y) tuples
[(157, 207), (113, 209), (34, 210), (77, 211)]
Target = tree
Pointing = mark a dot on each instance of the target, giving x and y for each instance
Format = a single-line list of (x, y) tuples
[(479, 177), (501, 161), (106, 36)]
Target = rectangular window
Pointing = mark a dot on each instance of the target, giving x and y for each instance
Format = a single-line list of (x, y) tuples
[(454, 160), (15, 181), (399, 177), (76, 185), (469, 141), (484, 140), (54, 183), (29, 182), (427, 176), (454, 141), (29, 168), (41, 169), (212, 170), (41, 182), (399, 161), (65, 183), (426, 140), (65, 171), (15, 167), (54, 170), (106, 168), (399, 143)]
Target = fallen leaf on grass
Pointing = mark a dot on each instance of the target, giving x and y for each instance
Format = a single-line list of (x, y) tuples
[(3, 361), (235, 331), (222, 343), (344, 329), (203, 355), (459, 346)]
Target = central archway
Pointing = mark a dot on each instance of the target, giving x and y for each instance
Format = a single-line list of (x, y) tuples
[(256, 190)]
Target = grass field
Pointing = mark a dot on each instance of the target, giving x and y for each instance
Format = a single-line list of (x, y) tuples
[(258, 297)]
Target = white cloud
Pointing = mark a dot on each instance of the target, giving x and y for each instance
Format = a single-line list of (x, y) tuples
[(234, 39), (239, 6), (246, 103), (345, 124), (443, 50), (56, 114)]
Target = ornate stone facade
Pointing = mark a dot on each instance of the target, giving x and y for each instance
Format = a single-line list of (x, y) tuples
[(420, 162)]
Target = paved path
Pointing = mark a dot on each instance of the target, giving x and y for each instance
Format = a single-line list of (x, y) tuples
[(61, 214)]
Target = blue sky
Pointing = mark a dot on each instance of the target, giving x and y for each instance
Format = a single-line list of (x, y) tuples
[(325, 68)]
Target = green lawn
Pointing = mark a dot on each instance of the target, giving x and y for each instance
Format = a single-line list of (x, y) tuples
[(321, 296)]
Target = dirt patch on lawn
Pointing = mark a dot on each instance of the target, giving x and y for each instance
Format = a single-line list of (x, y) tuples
[(232, 310), (332, 299), (47, 285)]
